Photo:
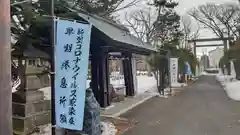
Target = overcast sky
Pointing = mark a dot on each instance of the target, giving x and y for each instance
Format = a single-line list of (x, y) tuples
[(183, 7)]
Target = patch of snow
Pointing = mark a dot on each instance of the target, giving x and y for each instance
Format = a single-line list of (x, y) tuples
[(208, 74), (178, 84), (108, 128), (233, 90), (47, 92), (146, 83), (203, 73), (44, 130), (163, 96), (231, 86), (224, 78), (15, 85), (213, 69)]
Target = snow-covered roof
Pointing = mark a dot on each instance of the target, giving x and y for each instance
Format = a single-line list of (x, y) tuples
[(30, 52), (115, 31)]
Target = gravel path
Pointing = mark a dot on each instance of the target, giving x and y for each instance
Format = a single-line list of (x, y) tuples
[(200, 109)]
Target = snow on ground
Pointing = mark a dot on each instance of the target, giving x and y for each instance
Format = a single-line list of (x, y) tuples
[(229, 83), (231, 86), (209, 70), (208, 74), (107, 128), (178, 85), (144, 84)]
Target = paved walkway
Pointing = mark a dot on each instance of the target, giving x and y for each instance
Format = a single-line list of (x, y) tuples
[(119, 108), (200, 109)]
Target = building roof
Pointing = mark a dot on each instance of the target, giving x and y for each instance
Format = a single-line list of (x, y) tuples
[(115, 31), (218, 48), (30, 52)]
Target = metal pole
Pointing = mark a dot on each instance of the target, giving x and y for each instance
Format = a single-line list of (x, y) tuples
[(5, 70), (52, 39)]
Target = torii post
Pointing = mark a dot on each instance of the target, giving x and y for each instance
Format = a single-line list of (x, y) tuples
[(225, 42)]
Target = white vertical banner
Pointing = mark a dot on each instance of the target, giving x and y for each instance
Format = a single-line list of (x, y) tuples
[(173, 69), (232, 69), (71, 66)]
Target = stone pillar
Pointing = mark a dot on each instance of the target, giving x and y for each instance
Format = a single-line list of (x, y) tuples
[(100, 75), (134, 72), (225, 43), (30, 109), (128, 74)]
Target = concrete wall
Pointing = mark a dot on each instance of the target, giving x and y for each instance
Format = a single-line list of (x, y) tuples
[(215, 56)]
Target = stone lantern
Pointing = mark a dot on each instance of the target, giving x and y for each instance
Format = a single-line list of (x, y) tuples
[(30, 108)]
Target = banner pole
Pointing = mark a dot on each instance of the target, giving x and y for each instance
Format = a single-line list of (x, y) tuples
[(52, 39)]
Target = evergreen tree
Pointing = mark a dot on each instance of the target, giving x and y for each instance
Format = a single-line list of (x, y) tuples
[(167, 24), (31, 21), (168, 37)]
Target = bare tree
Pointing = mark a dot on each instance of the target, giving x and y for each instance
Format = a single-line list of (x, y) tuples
[(141, 23), (121, 6), (103, 8), (190, 29), (222, 19), (229, 17)]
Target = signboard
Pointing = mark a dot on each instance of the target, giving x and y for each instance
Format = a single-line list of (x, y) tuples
[(71, 66), (173, 70)]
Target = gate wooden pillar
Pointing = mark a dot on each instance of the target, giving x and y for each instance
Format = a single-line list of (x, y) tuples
[(95, 72), (104, 77), (100, 75), (194, 48), (128, 74)]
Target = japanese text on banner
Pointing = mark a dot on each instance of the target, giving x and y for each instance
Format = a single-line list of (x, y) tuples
[(71, 66)]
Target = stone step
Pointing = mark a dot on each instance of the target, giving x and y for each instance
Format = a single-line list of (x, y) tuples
[(26, 109), (28, 125), (27, 96)]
